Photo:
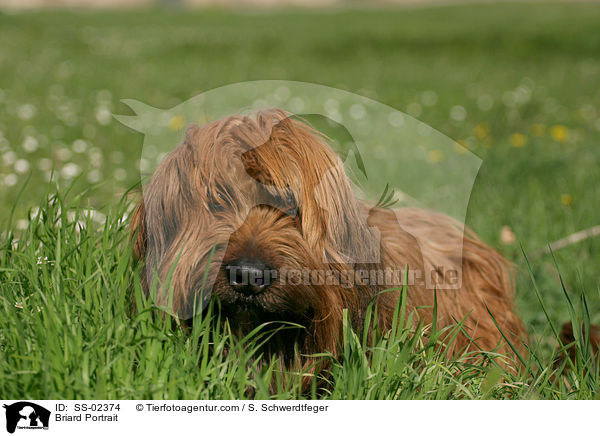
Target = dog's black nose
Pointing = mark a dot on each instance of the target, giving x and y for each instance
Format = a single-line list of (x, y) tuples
[(250, 276)]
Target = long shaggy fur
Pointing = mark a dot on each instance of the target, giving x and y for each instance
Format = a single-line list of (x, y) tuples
[(268, 186)]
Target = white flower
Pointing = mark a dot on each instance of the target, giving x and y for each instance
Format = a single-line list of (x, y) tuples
[(21, 166), (96, 158), (396, 119), (458, 113), (30, 144), (96, 216), (143, 164), (104, 96), (9, 157), (282, 93), (63, 153), (120, 174), (94, 176), (79, 146), (357, 111), (26, 111), (429, 98), (10, 180), (103, 115), (34, 213), (70, 170)]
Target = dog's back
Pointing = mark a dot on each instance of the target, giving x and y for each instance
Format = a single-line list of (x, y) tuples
[(431, 243)]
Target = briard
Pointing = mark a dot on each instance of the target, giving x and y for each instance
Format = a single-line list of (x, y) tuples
[(257, 212)]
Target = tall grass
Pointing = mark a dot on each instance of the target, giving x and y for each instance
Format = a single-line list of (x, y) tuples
[(75, 323)]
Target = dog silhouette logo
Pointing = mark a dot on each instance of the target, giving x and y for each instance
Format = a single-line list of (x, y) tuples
[(26, 415), (384, 157)]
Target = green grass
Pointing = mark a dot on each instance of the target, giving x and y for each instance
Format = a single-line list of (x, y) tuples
[(61, 73), (76, 324)]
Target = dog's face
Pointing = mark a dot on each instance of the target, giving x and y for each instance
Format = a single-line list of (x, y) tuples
[(240, 207)]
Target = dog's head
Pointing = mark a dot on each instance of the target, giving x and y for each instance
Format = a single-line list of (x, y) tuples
[(241, 208)]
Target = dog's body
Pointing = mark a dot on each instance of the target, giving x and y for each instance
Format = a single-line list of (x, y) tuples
[(486, 279), (265, 193)]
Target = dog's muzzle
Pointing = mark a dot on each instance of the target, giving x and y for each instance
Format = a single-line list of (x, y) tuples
[(250, 276)]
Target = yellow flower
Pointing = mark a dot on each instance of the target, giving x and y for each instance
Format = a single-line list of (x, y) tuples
[(481, 130), (460, 146), (507, 236), (518, 140), (566, 199), (559, 133), (538, 129), (435, 156), (176, 123)]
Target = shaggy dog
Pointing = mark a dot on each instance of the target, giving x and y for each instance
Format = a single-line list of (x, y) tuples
[(258, 211)]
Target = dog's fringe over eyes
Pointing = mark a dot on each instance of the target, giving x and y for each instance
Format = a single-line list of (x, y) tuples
[(267, 196)]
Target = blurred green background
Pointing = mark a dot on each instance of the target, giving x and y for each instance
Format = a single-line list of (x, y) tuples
[(517, 83)]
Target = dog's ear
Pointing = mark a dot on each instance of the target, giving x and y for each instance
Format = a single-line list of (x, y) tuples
[(137, 226), (332, 218), (347, 237), (159, 219), (170, 192), (139, 239)]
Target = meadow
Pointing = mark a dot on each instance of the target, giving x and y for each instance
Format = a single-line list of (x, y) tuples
[(515, 83)]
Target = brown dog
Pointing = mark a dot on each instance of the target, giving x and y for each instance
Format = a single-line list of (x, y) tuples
[(258, 211)]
